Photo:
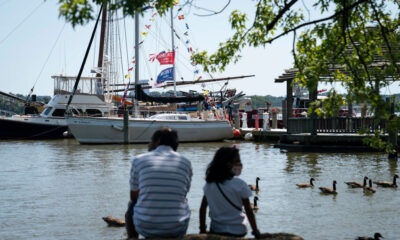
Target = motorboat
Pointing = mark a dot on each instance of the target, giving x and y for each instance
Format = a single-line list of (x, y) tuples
[(51, 123)]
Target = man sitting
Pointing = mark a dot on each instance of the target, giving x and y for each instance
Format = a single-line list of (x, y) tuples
[(159, 183)]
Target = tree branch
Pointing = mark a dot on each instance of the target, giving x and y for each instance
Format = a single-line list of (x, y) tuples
[(360, 57), (318, 21), (285, 8), (385, 38)]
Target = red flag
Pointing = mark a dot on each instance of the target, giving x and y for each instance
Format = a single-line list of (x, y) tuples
[(154, 14), (130, 69), (133, 61), (166, 58), (147, 26), (180, 17)]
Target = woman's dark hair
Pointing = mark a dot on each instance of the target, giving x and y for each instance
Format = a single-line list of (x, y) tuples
[(220, 169), (164, 136)]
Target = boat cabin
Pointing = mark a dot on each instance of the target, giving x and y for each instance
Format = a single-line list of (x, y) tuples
[(88, 102)]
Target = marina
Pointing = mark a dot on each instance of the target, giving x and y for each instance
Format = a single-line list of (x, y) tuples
[(200, 120)]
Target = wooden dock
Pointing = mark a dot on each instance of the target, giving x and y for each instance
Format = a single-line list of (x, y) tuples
[(259, 135), (305, 142)]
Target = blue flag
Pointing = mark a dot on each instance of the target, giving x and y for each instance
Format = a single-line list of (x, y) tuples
[(165, 75)]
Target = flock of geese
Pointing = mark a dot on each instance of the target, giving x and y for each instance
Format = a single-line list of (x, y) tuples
[(367, 188), (327, 190)]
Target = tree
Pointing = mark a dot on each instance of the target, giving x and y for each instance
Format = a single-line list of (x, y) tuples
[(354, 42), (79, 12)]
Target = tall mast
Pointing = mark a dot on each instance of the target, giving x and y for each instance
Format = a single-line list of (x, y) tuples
[(101, 46), (136, 62), (173, 49)]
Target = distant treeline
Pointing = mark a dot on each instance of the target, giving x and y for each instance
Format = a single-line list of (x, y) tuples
[(13, 105), (260, 101)]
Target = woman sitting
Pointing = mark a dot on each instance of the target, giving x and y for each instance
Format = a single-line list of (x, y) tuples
[(226, 195)]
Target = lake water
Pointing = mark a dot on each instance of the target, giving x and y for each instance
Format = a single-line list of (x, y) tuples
[(61, 190)]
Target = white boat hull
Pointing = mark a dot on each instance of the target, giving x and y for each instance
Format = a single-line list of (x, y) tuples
[(110, 130)]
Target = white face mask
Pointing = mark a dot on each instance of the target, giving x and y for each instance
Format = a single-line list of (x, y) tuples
[(237, 170)]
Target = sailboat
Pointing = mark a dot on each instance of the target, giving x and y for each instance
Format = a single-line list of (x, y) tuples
[(105, 130)]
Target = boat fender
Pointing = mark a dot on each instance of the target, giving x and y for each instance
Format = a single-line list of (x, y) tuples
[(236, 133), (248, 136), (117, 127), (67, 134)]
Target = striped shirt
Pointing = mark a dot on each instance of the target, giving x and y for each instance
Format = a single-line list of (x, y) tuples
[(163, 177)]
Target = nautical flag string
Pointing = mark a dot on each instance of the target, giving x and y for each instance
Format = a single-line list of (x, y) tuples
[(152, 57), (130, 69), (187, 44), (125, 94)]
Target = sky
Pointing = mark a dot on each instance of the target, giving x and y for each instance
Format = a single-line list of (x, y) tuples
[(36, 44)]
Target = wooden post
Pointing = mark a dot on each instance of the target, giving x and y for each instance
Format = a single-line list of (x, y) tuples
[(349, 122), (274, 120), (289, 103), (126, 126), (313, 97), (256, 121)]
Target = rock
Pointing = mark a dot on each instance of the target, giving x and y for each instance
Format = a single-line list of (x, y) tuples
[(269, 236), (114, 222)]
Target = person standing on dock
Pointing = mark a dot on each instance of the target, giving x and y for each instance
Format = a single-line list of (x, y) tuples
[(229, 114), (159, 183)]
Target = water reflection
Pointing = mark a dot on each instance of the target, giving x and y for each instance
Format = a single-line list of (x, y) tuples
[(303, 162), (393, 166)]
